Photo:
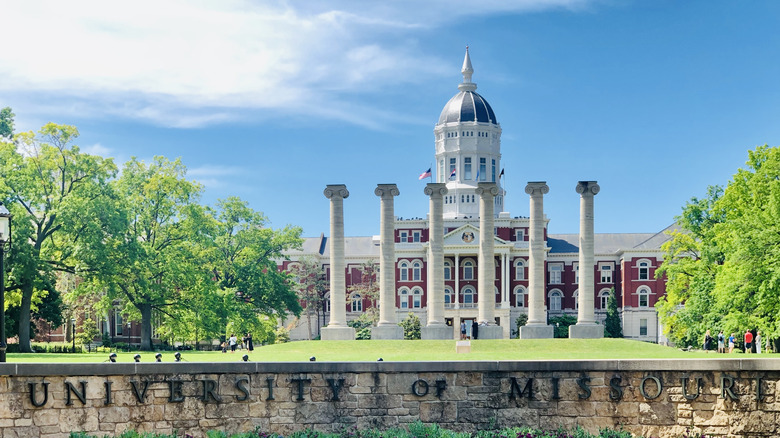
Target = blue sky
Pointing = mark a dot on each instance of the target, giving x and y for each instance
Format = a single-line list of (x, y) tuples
[(272, 100)]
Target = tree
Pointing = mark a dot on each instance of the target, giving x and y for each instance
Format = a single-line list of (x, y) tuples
[(56, 195), (412, 327), (368, 288), (723, 266), (6, 123), (612, 325), (148, 258), (520, 321), (312, 287)]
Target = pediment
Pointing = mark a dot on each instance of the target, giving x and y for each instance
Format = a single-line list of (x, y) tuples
[(467, 235)]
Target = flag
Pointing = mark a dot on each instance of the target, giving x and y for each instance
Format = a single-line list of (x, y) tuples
[(501, 174), (452, 174), (426, 174), (477, 178)]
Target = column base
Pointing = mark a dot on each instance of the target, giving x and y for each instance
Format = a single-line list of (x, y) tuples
[(490, 332), (586, 331), (337, 334), (541, 331), (438, 332), (385, 332)]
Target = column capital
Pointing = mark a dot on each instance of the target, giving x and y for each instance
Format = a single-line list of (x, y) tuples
[(486, 188), (537, 188), (586, 188), (336, 190), (435, 189), (383, 190)]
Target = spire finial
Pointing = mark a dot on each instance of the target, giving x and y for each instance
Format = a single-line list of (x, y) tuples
[(467, 71)]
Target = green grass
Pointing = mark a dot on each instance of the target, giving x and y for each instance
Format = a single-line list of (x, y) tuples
[(351, 351)]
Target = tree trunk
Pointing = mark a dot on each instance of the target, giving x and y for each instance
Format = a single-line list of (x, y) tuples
[(24, 319), (308, 318), (146, 327)]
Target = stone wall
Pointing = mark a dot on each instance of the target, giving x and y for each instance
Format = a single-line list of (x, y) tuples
[(722, 397)]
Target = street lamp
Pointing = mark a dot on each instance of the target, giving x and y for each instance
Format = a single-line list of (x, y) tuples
[(5, 236)]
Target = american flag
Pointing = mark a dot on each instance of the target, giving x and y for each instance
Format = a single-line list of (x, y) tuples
[(426, 174)]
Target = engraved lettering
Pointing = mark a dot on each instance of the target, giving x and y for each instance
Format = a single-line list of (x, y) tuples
[(582, 382), (175, 394), (556, 382), (615, 391), (240, 386), (300, 383), (210, 390), (658, 387), (690, 397), (140, 394), (269, 381), (109, 398), (45, 394), (726, 383), (441, 385), (515, 388), (335, 386), (71, 390), (420, 388)]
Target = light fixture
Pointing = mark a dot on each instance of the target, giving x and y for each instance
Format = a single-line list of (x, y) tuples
[(245, 358), (380, 360), (177, 356), (137, 358), (312, 359), (112, 357), (158, 357)]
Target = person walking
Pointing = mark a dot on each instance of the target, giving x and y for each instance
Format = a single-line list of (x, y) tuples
[(707, 341), (721, 342), (758, 342), (731, 343), (748, 342), (233, 341), (462, 330)]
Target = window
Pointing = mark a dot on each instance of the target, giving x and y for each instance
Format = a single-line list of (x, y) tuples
[(468, 296), (483, 169), (603, 299), (357, 303), (326, 303), (449, 297), (576, 299), (555, 273), (415, 236), (520, 296), (576, 267), (606, 273), (441, 172), (404, 271), (493, 171), (644, 270), (644, 296), (555, 300), (468, 270), (453, 164), (416, 270), (467, 168), (404, 236), (520, 235), (417, 298), (447, 270), (118, 323), (404, 298), (643, 327), (520, 269)]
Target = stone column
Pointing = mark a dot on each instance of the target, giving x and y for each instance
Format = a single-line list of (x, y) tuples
[(586, 326), (537, 327), (337, 328), (436, 328), (457, 281), (387, 328), (487, 192)]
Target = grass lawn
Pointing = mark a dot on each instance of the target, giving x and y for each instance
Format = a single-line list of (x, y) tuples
[(352, 351)]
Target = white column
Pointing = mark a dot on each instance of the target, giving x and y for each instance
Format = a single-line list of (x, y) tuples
[(387, 315), (504, 281), (457, 281), (586, 326), (537, 313), (436, 327), (337, 328), (487, 192)]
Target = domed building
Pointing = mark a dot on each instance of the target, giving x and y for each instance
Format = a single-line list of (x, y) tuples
[(468, 159)]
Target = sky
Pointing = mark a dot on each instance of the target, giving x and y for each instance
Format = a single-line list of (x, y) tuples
[(271, 101)]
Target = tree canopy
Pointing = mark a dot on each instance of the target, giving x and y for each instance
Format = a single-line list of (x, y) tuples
[(723, 264)]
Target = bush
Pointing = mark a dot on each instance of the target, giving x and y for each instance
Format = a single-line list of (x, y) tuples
[(281, 335), (519, 322), (412, 327), (561, 325)]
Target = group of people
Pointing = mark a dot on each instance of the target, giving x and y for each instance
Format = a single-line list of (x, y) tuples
[(232, 343), (752, 343), (472, 334)]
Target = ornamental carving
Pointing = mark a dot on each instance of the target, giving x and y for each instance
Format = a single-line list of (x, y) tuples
[(336, 190), (537, 188), (435, 189), (588, 188), (387, 190)]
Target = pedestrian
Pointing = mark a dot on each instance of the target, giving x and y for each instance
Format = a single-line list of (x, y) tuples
[(475, 329), (707, 341), (224, 346), (758, 342), (721, 343), (249, 345), (463, 330), (233, 341), (748, 341), (731, 343)]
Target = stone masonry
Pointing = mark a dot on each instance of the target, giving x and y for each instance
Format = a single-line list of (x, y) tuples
[(728, 397)]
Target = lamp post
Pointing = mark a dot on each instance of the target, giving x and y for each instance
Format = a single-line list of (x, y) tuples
[(5, 236), (73, 333)]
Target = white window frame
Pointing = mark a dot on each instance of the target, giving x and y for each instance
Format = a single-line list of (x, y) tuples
[(519, 234), (417, 298), (556, 268), (604, 298), (416, 271), (416, 236), (606, 271), (520, 269), (520, 293), (643, 267), (556, 300), (575, 266), (447, 270), (576, 296), (644, 293), (643, 326), (403, 270), (403, 298), (468, 264), (449, 295), (403, 236), (356, 302), (468, 293)]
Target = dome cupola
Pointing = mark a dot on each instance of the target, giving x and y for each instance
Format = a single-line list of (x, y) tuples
[(467, 105)]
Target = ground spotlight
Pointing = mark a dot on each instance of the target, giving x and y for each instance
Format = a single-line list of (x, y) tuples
[(380, 360), (245, 358), (177, 356), (137, 358), (312, 359), (112, 357), (158, 357)]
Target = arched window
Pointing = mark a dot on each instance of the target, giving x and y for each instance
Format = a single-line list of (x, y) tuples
[(447, 270), (520, 293), (644, 296), (644, 270), (357, 303), (555, 300), (416, 271), (326, 303), (449, 297), (416, 298), (403, 271), (468, 296), (403, 299), (576, 299), (468, 270), (603, 299), (519, 269)]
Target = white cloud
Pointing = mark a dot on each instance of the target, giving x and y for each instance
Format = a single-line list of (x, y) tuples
[(97, 149), (190, 63)]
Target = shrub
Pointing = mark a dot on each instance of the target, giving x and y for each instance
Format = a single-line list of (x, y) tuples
[(412, 327)]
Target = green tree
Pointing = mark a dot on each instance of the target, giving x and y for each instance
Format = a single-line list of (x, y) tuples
[(311, 286), (56, 194), (6, 123), (612, 326), (561, 325), (519, 322), (368, 288), (412, 327)]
